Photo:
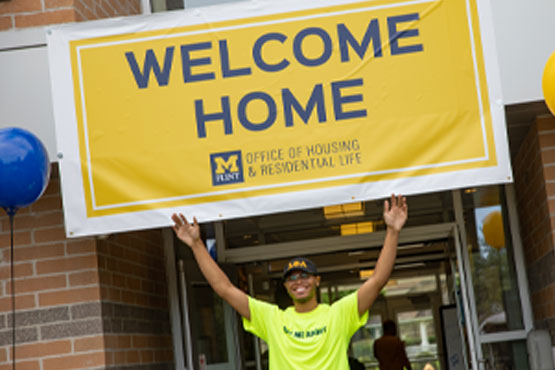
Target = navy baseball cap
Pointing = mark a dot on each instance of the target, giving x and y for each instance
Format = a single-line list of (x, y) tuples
[(299, 264)]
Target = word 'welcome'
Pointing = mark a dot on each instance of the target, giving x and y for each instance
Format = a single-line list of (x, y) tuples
[(197, 66)]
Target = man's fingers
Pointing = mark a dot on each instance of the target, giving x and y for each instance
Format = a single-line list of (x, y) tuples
[(403, 201), (396, 201), (180, 220)]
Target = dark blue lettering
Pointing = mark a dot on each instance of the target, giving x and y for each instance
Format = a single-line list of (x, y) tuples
[(257, 52), (242, 111), (202, 118), (339, 99), (372, 33), (298, 50), (316, 100), (395, 35), (224, 58), (187, 62), (151, 64)]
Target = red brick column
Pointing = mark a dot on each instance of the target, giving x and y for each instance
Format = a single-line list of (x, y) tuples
[(32, 13), (534, 168), (82, 303), (57, 291), (134, 301)]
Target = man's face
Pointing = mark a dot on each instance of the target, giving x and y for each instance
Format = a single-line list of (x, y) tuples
[(301, 286)]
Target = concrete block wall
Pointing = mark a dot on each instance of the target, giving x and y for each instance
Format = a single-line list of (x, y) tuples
[(82, 303), (534, 168)]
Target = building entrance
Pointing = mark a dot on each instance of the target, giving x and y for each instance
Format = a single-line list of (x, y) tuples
[(431, 294), (422, 284)]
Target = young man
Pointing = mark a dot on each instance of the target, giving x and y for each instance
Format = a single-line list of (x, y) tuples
[(309, 335)]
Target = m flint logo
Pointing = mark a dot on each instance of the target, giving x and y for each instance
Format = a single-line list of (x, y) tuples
[(227, 168)]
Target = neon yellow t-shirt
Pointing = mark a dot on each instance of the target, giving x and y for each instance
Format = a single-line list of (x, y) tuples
[(315, 340)]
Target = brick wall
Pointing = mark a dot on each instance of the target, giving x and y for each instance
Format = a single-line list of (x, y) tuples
[(135, 306), (534, 168), (81, 303), (32, 13)]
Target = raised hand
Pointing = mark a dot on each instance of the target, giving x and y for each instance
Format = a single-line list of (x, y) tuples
[(395, 214), (188, 233)]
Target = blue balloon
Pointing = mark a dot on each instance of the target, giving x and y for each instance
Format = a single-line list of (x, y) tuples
[(24, 168)]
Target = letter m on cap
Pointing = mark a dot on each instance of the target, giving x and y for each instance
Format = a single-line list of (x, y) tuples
[(227, 168), (297, 264)]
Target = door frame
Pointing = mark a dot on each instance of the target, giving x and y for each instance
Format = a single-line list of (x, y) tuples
[(463, 258)]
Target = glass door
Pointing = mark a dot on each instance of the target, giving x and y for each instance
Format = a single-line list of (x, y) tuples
[(494, 274), (413, 300), (417, 329), (362, 342), (212, 323)]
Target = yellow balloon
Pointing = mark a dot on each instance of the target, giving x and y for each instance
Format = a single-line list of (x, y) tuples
[(493, 230), (548, 83)]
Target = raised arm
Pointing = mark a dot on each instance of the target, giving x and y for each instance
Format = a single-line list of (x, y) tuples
[(218, 280), (395, 216)]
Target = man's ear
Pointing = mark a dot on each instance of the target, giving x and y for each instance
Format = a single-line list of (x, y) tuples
[(318, 280)]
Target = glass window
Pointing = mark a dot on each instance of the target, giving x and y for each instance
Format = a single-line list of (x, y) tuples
[(209, 311), (362, 341), (417, 330), (199, 3), (209, 319), (506, 355), (164, 5), (492, 261)]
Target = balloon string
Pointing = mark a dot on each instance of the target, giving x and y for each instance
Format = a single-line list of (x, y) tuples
[(11, 214)]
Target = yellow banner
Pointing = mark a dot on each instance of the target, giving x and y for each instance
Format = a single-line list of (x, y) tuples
[(340, 94)]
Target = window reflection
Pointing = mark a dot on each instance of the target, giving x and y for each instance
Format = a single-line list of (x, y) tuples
[(363, 340), (506, 356), (209, 314), (492, 262), (165, 5), (417, 330)]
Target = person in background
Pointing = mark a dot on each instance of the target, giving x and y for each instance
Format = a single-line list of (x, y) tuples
[(389, 350)]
